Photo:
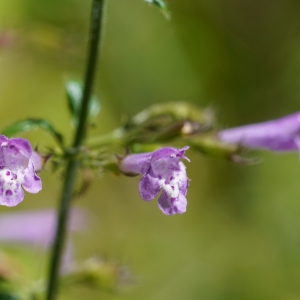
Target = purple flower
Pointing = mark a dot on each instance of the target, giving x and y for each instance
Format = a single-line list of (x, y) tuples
[(278, 135), (161, 170), (37, 228), (16, 170)]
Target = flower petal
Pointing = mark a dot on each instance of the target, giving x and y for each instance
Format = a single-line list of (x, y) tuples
[(183, 181), (31, 182), (36, 160), (21, 144), (149, 187), (171, 206), (169, 152), (12, 158), (166, 160), (3, 139), (164, 167), (11, 193), (276, 135), (134, 164)]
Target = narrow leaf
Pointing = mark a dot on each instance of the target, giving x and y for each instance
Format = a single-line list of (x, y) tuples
[(31, 124)]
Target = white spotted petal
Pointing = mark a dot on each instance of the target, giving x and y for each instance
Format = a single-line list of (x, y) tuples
[(16, 169)]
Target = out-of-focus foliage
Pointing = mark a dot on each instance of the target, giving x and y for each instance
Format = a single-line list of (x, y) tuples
[(162, 6), (239, 238), (74, 96)]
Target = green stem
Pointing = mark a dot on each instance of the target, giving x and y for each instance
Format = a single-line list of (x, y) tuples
[(114, 138), (66, 197)]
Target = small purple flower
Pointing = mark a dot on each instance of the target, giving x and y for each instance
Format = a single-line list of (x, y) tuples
[(277, 135), (16, 170), (161, 170), (36, 227)]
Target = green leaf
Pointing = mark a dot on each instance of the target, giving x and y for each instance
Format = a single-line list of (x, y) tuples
[(162, 6), (31, 124), (74, 94)]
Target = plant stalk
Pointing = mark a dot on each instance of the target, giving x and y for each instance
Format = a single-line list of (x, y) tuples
[(72, 166)]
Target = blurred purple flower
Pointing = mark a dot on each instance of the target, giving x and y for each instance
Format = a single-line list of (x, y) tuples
[(161, 169), (16, 169), (277, 135), (37, 228), (7, 38)]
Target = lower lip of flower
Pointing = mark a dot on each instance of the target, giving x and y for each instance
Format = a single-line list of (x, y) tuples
[(170, 188)]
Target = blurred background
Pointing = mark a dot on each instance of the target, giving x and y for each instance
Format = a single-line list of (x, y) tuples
[(240, 237)]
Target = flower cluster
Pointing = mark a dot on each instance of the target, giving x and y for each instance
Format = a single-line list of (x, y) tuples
[(161, 170), (17, 169), (277, 135)]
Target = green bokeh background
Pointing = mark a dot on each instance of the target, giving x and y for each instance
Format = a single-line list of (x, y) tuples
[(240, 236)]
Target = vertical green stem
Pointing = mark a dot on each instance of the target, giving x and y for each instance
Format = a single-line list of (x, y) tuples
[(66, 197)]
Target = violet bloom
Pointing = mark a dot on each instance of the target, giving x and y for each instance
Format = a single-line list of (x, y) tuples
[(278, 135), (36, 227), (161, 170), (16, 170)]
